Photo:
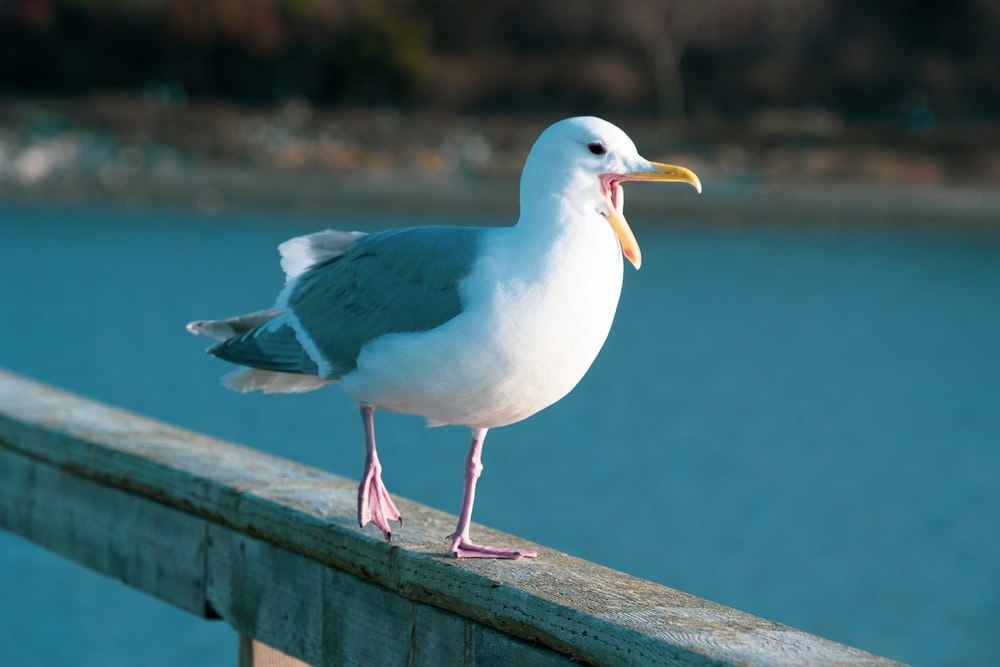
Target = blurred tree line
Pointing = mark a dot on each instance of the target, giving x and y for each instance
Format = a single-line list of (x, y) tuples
[(673, 58)]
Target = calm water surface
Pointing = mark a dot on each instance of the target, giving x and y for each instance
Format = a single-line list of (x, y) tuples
[(801, 422)]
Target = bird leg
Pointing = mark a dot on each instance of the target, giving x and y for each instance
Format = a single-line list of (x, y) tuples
[(374, 503), (461, 545)]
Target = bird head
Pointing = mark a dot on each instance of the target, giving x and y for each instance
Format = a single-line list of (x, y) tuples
[(587, 159)]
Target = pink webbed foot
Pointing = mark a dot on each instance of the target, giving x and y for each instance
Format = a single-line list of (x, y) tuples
[(462, 547), (374, 503)]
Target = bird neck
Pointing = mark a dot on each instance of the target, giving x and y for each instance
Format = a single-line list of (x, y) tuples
[(545, 179)]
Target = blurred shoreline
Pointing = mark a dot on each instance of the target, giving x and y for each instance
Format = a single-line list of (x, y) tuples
[(143, 153)]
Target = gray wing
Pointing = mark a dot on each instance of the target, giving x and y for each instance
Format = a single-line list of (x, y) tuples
[(234, 326), (272, 346), (398, 281)]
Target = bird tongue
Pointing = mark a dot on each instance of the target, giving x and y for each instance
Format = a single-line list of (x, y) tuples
[(613, 193), (614, 198), (618, 198)]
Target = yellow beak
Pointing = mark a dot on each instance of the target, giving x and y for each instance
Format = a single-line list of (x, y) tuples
[(666, 173), (630, 247)]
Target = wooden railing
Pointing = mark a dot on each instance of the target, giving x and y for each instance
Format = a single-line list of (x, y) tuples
[(273, 548)]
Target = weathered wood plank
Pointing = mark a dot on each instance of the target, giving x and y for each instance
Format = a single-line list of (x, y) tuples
[(316, 612), (147, 545), (326, 616), (279, 542)]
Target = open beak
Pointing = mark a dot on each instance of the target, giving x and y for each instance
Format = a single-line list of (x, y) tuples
[(611, 189), (666, 173)]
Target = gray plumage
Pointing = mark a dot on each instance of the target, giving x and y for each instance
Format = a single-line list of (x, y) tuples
[(397, 281)]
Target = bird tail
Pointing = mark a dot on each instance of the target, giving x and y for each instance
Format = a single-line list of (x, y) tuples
[(245, 380), (230, 328), (267, 350)]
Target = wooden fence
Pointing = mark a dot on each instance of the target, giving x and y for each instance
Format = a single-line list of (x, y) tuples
[(273, 548)]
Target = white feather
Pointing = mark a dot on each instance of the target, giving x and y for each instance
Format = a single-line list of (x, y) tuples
[(301, 252), (245, 380)]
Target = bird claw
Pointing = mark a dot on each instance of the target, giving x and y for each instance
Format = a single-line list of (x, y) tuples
[(375, 505), (464, 548)]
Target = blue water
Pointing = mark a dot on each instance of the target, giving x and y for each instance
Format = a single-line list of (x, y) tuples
[(798, 421)]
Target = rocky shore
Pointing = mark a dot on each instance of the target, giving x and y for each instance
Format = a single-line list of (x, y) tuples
[(146, 151)]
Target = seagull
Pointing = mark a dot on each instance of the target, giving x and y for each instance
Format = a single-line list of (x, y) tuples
[(473, 326)]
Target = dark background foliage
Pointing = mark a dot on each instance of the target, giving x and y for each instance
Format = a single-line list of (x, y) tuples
[(920, 60)]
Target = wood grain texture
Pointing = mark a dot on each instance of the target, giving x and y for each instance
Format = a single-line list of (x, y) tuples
[(145, 544), (273, 548)]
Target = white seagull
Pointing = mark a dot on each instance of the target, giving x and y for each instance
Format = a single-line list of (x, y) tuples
[(480, 327)]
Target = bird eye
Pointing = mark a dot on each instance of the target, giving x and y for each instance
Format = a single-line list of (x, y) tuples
[(597, 148)]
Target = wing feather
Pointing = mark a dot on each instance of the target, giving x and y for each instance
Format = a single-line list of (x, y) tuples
[(343, 290), (399, 281), (272, 346)]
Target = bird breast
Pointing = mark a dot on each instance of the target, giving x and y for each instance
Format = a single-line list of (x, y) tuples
[(538, 308)]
